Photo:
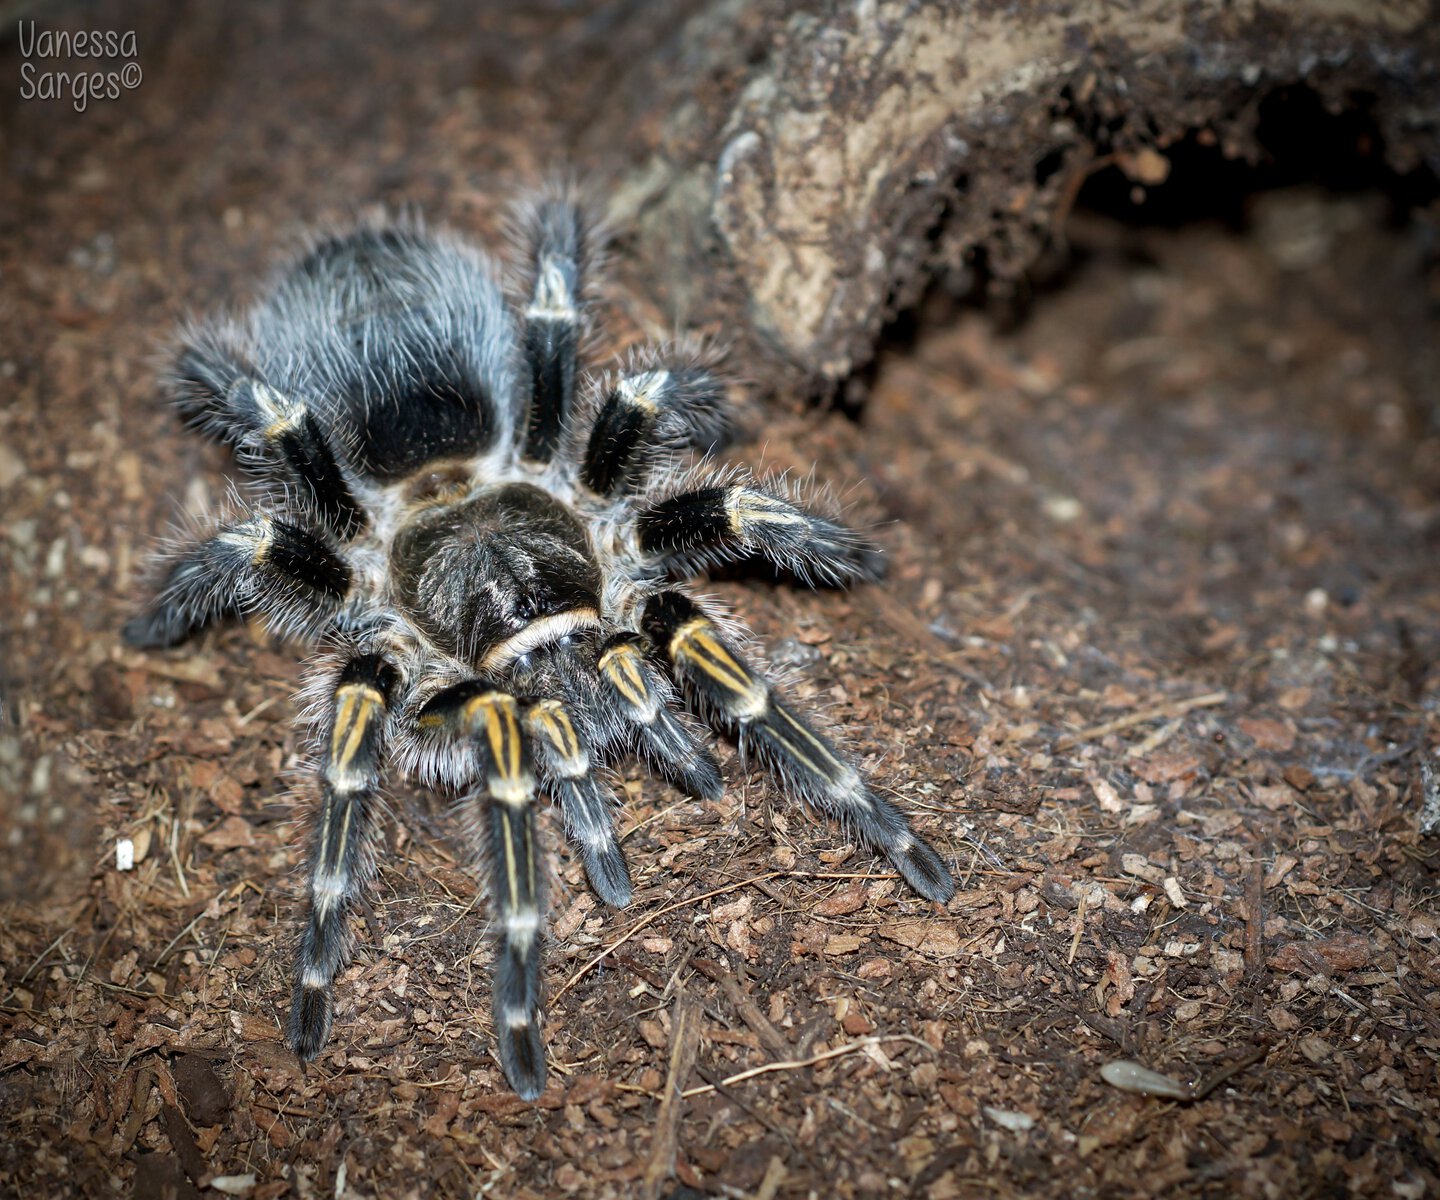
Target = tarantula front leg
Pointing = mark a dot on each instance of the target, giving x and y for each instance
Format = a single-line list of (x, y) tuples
[(486, 726), (736, 697), (728, 521), (643, 701), (260, 564), (359, 709), (586, 800)]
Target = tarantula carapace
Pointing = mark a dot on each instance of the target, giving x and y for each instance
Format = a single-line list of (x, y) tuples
[(487, 545)]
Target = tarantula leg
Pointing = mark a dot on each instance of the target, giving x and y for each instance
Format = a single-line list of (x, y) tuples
[(587, 802), (220, 394), (259, 564), (733, 695), (642, 699), (557, 232), (720, 522), (339, 860), (646, 415), (490, 725), (295, 437)]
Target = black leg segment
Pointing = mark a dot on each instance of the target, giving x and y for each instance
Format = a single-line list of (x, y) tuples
[(263, 565), (299, 443), (737, 698), (647, 416), (715, 524), (218, 391), (556, 231), (340, 860)]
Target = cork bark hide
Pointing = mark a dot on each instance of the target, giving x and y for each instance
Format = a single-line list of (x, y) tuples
[(811, 167)]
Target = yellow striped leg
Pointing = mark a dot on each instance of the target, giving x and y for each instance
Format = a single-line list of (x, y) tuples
[(339, 863), (735, 696), (586, 800), (490, 725), (642, 698)]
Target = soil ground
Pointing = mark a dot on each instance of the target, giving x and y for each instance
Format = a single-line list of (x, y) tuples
[(1154, 665)]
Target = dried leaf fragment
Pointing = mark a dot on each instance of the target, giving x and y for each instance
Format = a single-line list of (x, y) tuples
[(1343, 952), (230, 834), (932, 938), (843, 943)]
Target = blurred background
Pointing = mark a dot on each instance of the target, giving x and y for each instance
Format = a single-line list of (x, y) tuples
[(1118, 325)]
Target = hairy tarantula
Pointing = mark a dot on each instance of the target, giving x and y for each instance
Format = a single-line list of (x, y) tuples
[(492, 565)]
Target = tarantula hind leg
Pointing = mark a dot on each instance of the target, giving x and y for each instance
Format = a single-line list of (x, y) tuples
[(340, 859), (488, 726), (735, 697), (556, 233)]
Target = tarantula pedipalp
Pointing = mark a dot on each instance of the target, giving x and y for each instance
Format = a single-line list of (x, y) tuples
[(493, 564)]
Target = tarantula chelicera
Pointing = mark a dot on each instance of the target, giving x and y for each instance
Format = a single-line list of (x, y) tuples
[(488, 544)]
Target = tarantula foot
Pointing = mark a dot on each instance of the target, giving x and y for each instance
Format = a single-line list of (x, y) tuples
[(311, 1014), (923, 870), (699, 774), (155, 629), (522, 1056), (606, 870)]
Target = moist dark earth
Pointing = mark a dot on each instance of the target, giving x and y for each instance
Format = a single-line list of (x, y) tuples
[(1154, 666)]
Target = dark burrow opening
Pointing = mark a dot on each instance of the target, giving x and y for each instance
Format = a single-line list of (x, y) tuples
[(1298, 142)]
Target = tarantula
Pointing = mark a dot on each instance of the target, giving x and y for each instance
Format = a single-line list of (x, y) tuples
[(487, 543)]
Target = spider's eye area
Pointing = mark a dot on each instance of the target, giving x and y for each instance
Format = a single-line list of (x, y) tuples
[(440, 483), (497, 575)]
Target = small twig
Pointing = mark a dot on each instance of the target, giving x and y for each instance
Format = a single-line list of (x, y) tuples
[(175, 857), (1153, 741), (1207, 1085), (774, 1177), (256, 711), (773, 1126), (770, 1037), (1142, 717), (30, 970), (281, 1108), (684, 1045), (801, 1063), (1079, 927), (1255, 923), (195, 920)]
